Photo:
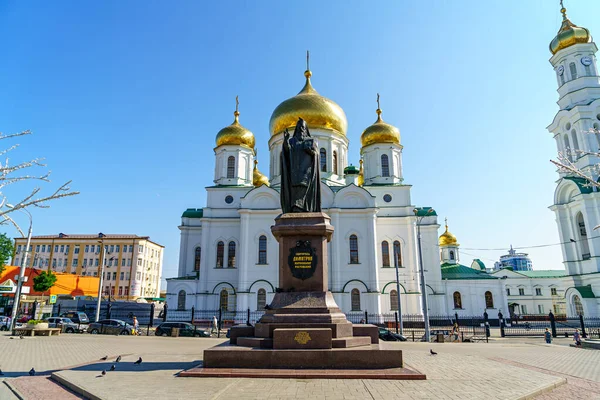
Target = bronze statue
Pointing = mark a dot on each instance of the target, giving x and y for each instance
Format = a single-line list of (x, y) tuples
[(300, 177)]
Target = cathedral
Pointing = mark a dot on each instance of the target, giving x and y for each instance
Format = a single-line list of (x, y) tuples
[(228, 258)]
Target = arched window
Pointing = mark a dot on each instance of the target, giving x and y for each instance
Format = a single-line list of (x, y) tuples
[(231, 255), (568, 150), (261, 299), (394, 300), (181, 300), (334, 161), (575, 141), (577, 305), (220, 254), (573, 69), (583, 241), (353, 249), (323, 160), (457, 300), (451, 255), (262, 249), (197, 258), (355, 297), (231, 167), (224, 300), (489, 300), (397, 255), (385, 253), (385, 165)]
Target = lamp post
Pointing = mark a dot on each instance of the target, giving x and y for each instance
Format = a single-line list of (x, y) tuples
[(420, 214), (21, 270), (101, 280)]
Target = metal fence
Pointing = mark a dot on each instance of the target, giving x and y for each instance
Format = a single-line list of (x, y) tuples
[(558, 325)]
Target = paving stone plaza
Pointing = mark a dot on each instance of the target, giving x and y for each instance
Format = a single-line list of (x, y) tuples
[(515, 368)]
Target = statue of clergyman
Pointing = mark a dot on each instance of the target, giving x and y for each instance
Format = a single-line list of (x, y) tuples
[(300, 178)]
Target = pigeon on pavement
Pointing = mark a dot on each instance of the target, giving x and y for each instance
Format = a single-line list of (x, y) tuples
[(20, 336), (433, 353), (32, 372), (104, 358), (113, 367), (12, 337), (1, 373), (139, 361), (118, 359), (103, 372)]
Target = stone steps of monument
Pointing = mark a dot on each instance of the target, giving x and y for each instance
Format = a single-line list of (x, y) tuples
[(350, 342), (258, 342)]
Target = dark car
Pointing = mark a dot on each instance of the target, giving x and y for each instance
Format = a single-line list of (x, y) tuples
[(78, 317), (389, 336), (66, 324), (185, 329), (110, 327)]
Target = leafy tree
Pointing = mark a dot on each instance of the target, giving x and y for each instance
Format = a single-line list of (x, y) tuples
[(6, 250), (44, 281)]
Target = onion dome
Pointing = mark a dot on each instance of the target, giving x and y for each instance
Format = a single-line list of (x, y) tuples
[(380, 131), (448, 239), (258, 179), (317, 111), (235, 134), (569, 34)]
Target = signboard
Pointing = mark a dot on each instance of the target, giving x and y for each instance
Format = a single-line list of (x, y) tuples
[(53, 299), (302, 260)]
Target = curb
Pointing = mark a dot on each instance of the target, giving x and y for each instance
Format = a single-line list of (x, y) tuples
[(544, 389), (14, 390), (73, 387)]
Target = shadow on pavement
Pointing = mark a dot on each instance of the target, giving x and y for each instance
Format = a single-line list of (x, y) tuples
[(131, 367)]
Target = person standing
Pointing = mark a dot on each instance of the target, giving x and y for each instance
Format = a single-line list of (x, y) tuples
[(548, 336), (215, 325), (577, 338), (136, 326)]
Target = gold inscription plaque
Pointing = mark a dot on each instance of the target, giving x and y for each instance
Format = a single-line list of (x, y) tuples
[(302, 337)]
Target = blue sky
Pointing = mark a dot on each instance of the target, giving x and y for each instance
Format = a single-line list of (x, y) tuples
[(125, 98)]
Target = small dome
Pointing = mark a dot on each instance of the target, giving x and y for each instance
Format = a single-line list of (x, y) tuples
[(380, 132), (448, 239), (317, 111), (258, 179), (569, 34), (235, 134)]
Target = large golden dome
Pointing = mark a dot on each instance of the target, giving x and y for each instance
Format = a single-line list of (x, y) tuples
[(569, 34), (258, 179), (380, 132), (448, 239), (235, 134), (317, 111)]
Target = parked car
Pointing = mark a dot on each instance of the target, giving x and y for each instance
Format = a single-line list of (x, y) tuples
[(69, 326), (389, 336), (78, 317), (4, 322), (110, 327), (185, 329)]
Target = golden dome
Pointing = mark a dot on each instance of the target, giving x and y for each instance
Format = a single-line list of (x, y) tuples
[(317, 111), (569, 34), (380, 132), (235, 134), (258, 179), (448, 239)]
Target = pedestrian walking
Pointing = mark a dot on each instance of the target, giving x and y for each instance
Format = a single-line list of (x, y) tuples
[(136, 326), (455, 332), (215, 325), (548, 336), (577, 338)]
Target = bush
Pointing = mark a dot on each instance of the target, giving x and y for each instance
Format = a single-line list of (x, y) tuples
[(35, 321)]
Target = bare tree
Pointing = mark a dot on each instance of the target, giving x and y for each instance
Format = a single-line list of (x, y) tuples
[(12, 174)]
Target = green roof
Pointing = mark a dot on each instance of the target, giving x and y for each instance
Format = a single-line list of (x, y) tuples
[(351, 170), (458, 271), (480, 263), (192, 213), (586, 291), (425, 211), (549, 273), (584, 186)]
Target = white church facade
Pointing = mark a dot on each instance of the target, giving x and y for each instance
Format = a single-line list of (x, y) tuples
[(229, 258)]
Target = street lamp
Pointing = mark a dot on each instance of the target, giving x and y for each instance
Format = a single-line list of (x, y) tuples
[(421, 213), (101, 280), (22, 269), (396, 263)]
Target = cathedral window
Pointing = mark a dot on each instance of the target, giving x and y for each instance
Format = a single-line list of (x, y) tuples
[(224, 300), (577, 305), (220, 254), (323, 160), (261, 299), (353, 249), (457, 300), (181, 300), (262, 249), (197, 257), (397, 254), (385, 165), (394, 300), (334, 162), (582, 233), (568, 151), (489, 300), (355, 299), (231, 255), (575, 141), (231, 167), (573, 69), (385, 253), (451, 255)]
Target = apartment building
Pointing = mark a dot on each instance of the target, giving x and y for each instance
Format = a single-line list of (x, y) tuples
[(132, 263)]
